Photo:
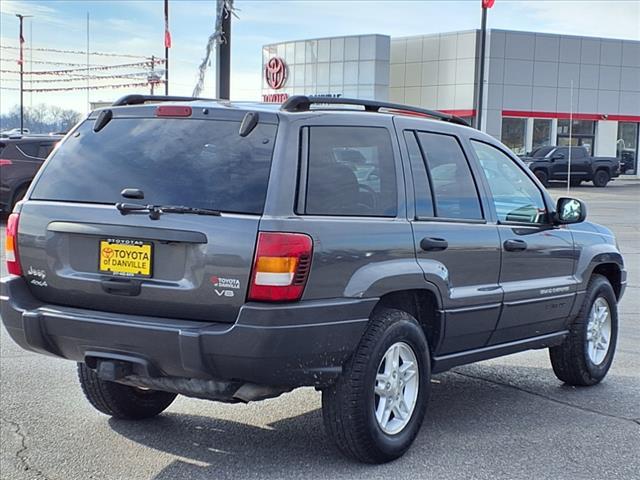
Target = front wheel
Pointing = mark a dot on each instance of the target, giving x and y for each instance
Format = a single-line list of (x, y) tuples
[(121, 401), (587, 353), (601, 178), (542, 176), (375, 409)]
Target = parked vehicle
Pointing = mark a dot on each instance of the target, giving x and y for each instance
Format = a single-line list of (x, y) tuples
[(234, 252), (20, 159), (14, 132), (552, 164)]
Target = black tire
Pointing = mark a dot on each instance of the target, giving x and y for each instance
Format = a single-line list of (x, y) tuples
[(570, 360), (542, 176), (121, 401), (17, 196), (348, 405), (601, 178)]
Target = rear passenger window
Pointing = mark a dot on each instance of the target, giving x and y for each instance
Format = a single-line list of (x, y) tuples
[(454, 189), (45, 149), (29, 149), (350, 171)]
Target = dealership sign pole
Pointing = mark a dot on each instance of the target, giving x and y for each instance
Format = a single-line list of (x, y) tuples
[(486, 4), (21, 62)]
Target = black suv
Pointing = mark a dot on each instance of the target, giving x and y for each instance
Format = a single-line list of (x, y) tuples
[(234, 251), (20, 159)]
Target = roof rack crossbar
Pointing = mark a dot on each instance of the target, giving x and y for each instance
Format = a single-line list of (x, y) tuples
[(137, 99), (301, 103)]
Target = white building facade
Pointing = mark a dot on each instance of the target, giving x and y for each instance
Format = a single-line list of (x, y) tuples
[(534, 82)]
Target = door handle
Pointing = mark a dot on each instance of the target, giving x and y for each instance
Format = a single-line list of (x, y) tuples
[(515, 245), (430, 244)]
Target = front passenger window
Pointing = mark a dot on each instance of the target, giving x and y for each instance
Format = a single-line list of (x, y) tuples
[(515, 196)]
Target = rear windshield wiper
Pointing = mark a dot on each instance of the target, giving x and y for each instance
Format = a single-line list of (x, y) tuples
[(156, 210)]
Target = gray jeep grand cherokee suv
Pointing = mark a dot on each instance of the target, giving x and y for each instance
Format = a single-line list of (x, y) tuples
[(233, 252)]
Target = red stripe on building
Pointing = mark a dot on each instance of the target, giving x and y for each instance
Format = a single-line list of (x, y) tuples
[(576, 116)]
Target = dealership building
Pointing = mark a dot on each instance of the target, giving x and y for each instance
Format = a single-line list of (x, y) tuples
[(533, 82)]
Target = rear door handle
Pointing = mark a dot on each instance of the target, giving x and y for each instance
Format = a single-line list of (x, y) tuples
[(430, 244), (515, 245)]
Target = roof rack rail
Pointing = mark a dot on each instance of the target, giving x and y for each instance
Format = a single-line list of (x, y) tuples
[(137, 99), (301, 103)]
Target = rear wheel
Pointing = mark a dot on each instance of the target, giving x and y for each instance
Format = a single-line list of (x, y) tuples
[(601, 178), (542, 176), (587, 353), (122, 401), (375, 409)]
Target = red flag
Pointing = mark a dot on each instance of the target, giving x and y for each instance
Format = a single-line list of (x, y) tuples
[(167, 34), (21, 59), (488, 3)]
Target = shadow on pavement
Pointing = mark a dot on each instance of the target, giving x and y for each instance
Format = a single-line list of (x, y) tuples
[(466, 414)]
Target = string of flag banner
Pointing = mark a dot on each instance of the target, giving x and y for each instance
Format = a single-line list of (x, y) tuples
[(76, 77), (73, 52), (150, 63), (92, 87)]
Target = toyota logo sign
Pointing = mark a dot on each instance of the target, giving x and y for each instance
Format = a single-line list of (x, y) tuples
[(275, 72)]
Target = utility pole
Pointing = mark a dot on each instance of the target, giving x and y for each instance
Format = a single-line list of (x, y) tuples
[(486, 5), (21, 62), (223, 54)]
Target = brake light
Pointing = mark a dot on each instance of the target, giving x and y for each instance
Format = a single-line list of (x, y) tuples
[(281, 266), (11, 245), (173, 111), (5, 161)]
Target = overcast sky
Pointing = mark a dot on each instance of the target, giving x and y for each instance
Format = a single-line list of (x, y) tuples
[(136, 27)]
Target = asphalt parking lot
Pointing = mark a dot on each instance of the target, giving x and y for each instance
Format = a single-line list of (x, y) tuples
[(505, 418)]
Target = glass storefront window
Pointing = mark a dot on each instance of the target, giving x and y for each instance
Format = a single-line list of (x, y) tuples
[(513, 134), (580, 127), (541, 132), (627, 146), (582, 134)]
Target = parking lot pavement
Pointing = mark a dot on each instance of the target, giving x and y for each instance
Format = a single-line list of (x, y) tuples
[(504, 418)]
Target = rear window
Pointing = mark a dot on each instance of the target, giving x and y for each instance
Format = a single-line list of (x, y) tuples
[(196, 163)]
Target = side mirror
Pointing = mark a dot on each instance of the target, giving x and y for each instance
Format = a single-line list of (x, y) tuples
[(570, 210)]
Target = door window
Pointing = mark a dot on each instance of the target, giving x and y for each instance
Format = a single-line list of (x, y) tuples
[(421, 185), (515, 196), (454, 189), (350, 171)]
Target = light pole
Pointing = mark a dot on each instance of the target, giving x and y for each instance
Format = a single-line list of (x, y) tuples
[(21, 62), (223, 52), (486, 4)]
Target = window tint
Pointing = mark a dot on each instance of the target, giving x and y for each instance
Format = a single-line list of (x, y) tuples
[(516, 197), (196, 163), (454, 190), (350, 171), (29, 148), (421, 186)]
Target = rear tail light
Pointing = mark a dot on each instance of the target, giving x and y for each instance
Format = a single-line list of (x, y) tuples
[(5, 161), (281, 266), (173, 111), (11, 245)]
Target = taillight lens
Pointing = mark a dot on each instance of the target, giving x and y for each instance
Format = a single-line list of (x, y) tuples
[(5, 162), (11, 245), (281, 266)]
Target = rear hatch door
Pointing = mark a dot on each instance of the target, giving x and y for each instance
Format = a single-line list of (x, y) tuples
[(77, 249)]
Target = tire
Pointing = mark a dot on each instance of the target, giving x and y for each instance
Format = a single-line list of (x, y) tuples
[(601, 178), (571, 361), (349, 405), (542, 176), (17, 196), (121, 401)]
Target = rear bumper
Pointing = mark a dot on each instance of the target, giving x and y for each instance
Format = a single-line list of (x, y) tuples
[(286, 345)]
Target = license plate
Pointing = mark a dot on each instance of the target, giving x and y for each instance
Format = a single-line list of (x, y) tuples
[(128, 258)]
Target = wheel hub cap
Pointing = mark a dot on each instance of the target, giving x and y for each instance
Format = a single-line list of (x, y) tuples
[(599, 331), (396, 388)]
